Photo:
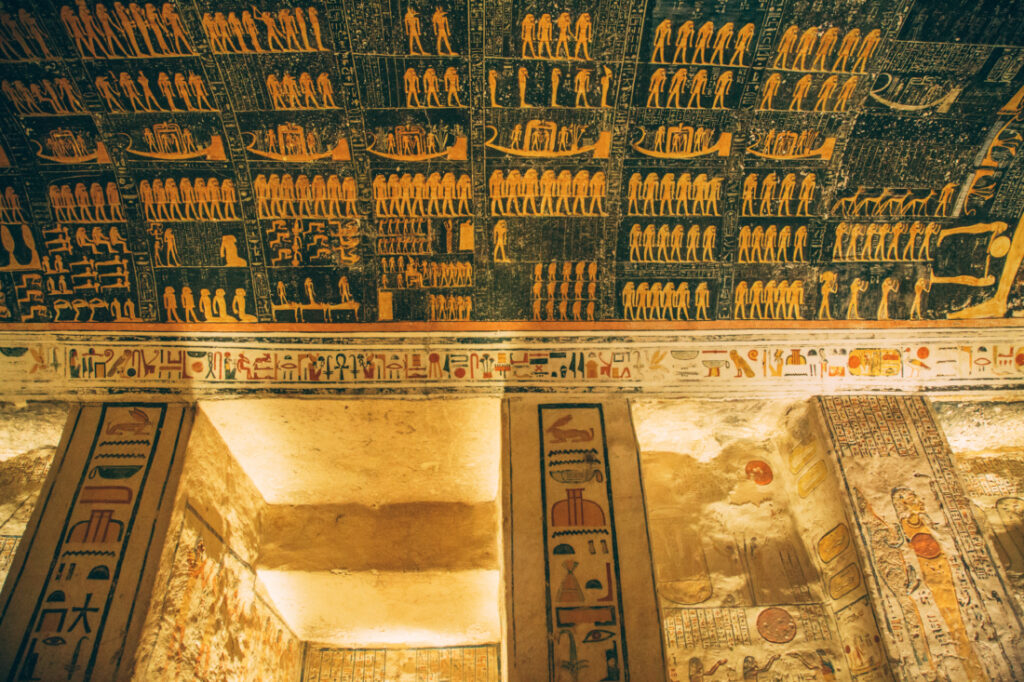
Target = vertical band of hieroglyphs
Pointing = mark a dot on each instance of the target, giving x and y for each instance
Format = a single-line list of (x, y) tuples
[(586, 632), (942, 600), (71, 612)]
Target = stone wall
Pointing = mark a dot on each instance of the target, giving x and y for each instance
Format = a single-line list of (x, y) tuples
[(987, 440), (754, 568), (29, 434), (210, 616)]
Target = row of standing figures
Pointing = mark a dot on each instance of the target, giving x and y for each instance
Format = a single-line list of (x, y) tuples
[(58, 95), (418, 195), (23, 39), (187, 199), (537, 33), (768, 301), (97, 203), (781, 205), (282, 196), (662, 245), (664, 301), (666, 195), (881, 241), (283, 31), (770, 244), (131, 31), (701, 40), (547, 193)]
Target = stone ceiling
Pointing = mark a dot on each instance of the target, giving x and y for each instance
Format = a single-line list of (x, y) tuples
[(195, 164)]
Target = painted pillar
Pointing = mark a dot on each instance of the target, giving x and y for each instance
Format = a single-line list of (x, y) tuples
[(582, 603), (79, 588), (940, 596)]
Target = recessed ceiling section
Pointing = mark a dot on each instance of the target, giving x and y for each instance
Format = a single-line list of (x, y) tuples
[(386, 608), (370, 452)]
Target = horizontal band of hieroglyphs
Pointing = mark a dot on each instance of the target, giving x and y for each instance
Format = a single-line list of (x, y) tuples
[(173, 366)]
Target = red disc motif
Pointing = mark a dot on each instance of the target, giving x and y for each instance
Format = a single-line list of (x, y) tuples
[(776, 625), (760, 471)]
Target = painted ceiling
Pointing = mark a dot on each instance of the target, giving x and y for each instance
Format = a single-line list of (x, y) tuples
[(458, 162)]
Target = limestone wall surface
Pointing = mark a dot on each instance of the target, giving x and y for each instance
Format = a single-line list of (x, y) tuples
[(29, 434), (571, 539), (987, 440), (210, 617), (755, 573)]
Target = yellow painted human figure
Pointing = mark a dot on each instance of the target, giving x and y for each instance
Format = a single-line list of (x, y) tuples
[(545, 30), (564, 24), (188, 304), (945, 199), (828, 287), (786, 43), (528, 34), (582, 85), (722, 86), (662, 34), (697, 86), (413, 30), (702, 42), (442, 32), (999, 246), (430, 87), (845, 93), (606, 83), (799, 243), (807, 188), (743, 38), (857, 287), (684, 39), (556, 79), (451, 86), (921, 287), (708, 243), (867, 49), (722, 40), (229, 252), (936, 574), (584, 33), (500, 241), (522, 76), (492, 86), (701, 301), (889, 285), (799, 92), (412, 88), (171, 305), (238, 307), (749, 192), (768, 186), (846, 48), (825, 93), (675, 88), (771, 86)]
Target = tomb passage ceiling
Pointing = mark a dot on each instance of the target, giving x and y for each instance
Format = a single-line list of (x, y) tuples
[(485, 163)]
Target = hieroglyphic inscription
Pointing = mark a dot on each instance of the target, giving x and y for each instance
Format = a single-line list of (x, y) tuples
[(447, 664), (93, 559), (931, 570), (585, 620)]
